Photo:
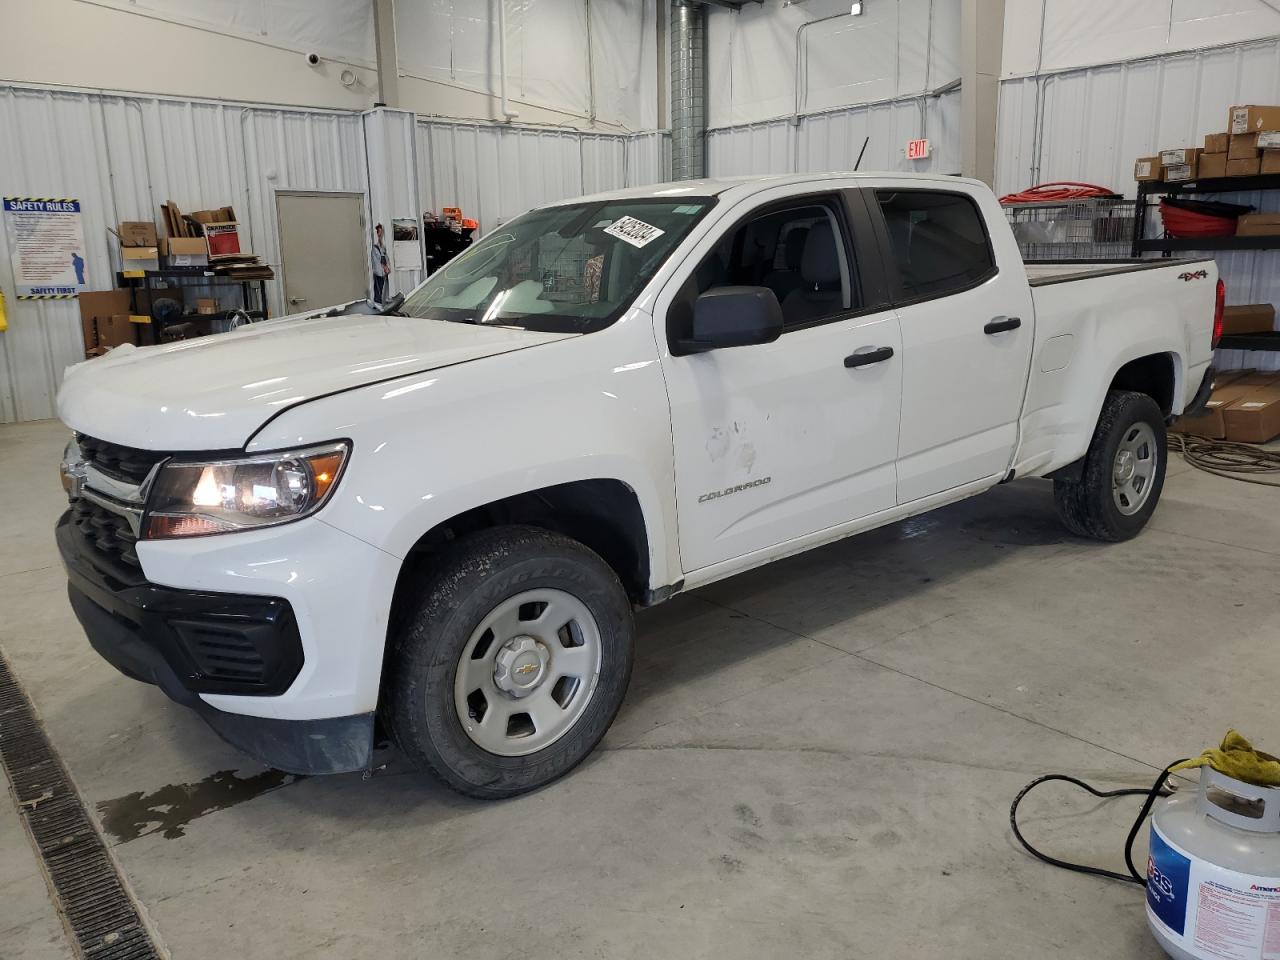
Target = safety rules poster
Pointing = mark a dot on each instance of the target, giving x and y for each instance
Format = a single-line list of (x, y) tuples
[(46, 244)]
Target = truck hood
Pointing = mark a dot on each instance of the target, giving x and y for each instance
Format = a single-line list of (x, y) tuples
[(213, 393)]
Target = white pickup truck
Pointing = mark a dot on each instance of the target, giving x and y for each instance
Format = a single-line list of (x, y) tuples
[(441, 513)]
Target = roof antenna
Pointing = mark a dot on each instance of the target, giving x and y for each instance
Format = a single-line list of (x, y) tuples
[(865, 141)]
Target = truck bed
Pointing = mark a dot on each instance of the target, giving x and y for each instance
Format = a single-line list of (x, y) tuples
[(1041, 273)]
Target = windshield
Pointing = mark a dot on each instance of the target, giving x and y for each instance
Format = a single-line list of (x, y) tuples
[(569, 269)]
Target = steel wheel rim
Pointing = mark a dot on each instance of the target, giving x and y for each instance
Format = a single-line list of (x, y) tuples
[(528, 672), (1133, 471)]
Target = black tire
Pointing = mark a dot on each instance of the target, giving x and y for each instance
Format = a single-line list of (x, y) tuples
[(1086, 505), (469, 580)]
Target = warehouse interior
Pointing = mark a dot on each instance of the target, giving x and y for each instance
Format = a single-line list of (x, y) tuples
[(257, 217)]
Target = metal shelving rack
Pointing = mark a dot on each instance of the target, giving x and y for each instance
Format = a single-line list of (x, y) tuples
[(203, 277), (1167, 246)]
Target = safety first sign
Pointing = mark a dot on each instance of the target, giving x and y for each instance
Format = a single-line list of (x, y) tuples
[(46, 245)]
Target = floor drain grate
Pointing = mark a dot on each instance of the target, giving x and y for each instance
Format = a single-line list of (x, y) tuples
[(98, 912)]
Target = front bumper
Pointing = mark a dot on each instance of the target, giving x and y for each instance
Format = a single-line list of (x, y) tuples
[(193, 642)]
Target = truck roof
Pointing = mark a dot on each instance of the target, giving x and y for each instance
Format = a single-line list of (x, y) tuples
[(747, 185)]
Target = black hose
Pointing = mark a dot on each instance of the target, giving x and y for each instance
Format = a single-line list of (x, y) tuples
[(1156, 790)]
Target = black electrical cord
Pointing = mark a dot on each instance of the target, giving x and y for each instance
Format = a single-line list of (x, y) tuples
[(1157, 790), (1225, 458)]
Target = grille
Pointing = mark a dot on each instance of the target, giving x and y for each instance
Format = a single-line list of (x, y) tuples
[(95, 905), (223, 655), (108, 532), (121, 463)]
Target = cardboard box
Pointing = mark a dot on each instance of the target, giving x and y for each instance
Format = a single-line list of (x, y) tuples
[(224, 239), (1217, 142), (1243, 147), (136, 233), (1212, 165), (1258, 225), (1179, 172), (1270, 161), (96, 309), (1179, 155), (1148, 168), (140, 258), (1254, 418), (1244, 168), (185, 251), (1248, 318), (1212, 424), (116, 331), (1250, 119), (205, 306), (1222, 377)]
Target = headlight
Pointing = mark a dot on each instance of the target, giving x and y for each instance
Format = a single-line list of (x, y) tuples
[(221, 496)]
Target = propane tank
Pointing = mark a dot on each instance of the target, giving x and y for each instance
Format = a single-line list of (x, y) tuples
[(1213, 872)]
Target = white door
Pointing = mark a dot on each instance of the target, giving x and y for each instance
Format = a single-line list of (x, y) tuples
[(324, 249), (779, 440), (966, 341)]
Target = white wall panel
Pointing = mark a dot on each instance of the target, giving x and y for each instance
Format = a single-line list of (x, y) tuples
[(123, 156), (1080, 33), (890, 51), (391, 152), (496, 172), (648, 158), (1095, 122), (831, 141)]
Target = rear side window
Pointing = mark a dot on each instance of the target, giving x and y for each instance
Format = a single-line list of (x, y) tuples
[(938, 241)]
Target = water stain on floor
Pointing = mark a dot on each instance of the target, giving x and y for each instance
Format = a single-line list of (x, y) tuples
[(171, 808)]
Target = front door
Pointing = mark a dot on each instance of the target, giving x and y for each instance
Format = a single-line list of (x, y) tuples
[(967, 331), (324, 249), (777, 441)]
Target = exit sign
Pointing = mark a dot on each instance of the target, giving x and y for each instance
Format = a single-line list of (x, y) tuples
[(917, 149)]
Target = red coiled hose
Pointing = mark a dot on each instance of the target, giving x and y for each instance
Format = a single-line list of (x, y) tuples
[(1062, 190)]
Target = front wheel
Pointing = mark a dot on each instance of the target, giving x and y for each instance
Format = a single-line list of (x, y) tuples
[(514, 663), (1123, 473)]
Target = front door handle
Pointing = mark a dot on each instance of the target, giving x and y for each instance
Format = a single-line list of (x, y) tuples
[(1001, 324), (868, 355), (297, 300)]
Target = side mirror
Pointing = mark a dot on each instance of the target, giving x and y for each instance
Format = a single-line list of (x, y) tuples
[(734, 317)]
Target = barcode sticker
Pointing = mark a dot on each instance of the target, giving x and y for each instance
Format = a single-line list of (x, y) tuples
[(1142, 168), (1240, 120), (633, 231), (1252, 404)]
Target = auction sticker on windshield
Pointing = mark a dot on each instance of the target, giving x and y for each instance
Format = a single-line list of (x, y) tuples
[(633, 231)]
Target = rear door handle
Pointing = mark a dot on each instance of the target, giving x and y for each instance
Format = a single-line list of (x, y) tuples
[(1001, 324), (868, 355)]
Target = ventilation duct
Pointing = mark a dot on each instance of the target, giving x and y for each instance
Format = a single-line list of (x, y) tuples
[(688, 90)]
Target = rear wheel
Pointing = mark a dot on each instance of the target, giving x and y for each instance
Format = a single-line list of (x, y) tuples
[(514, 663), (1123, 472)]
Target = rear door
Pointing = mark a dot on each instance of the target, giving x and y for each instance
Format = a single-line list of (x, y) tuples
[(966, 336), (780, 440)]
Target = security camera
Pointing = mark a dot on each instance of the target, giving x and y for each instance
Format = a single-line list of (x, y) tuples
[(313, 59)]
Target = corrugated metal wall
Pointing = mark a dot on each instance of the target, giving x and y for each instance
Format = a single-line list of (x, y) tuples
[(831, 140), (496, 172), (123, 156), (1094, 122)]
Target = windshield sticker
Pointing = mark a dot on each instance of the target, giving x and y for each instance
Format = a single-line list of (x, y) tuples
[(633, 231), (688, 209)]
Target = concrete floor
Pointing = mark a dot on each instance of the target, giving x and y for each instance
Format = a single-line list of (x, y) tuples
[(815, 759)]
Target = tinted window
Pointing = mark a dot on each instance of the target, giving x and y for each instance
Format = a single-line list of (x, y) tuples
[(938, 240), (797, 252)]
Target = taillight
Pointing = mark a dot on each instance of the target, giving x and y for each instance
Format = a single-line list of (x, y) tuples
[(1219, 308)]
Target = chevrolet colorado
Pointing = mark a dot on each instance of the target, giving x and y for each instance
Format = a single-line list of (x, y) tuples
[(442, 512)]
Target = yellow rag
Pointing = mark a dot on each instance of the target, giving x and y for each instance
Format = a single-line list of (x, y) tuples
[(1237, 758)]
